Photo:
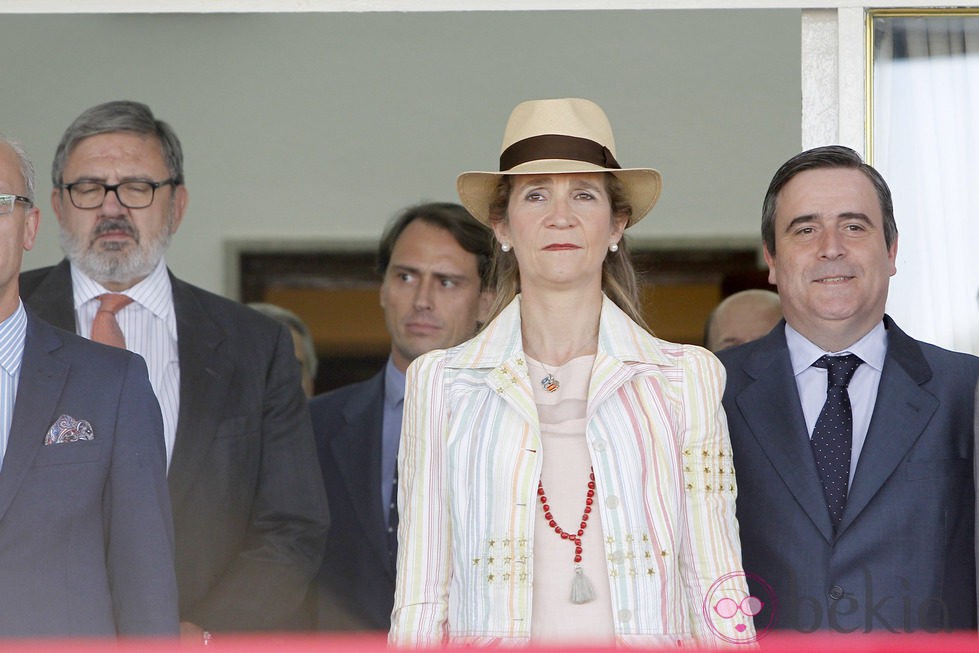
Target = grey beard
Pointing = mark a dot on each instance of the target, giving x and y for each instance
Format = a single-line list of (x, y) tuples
[(116, 267)]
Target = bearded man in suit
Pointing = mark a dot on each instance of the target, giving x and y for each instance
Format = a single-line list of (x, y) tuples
[(852, 442), (249, 509)]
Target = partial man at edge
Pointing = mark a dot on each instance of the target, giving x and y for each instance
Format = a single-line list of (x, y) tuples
[(86, 540)]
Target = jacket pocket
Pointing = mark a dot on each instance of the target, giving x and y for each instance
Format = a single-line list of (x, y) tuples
[(67, 453)]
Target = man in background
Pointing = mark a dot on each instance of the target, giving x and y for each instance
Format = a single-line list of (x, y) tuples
[(435, 263), (853, 443), (249, 510), (742, 317), (302, 340), (86, 542)]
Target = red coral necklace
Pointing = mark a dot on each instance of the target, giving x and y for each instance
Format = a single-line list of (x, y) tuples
[(582, 590)]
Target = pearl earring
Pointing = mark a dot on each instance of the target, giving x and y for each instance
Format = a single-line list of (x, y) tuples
[(614, 247), (505, 247)]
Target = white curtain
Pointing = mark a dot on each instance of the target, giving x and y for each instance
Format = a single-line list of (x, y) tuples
[(926, 145)]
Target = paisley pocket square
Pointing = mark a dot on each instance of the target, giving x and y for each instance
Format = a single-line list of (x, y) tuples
[(68, 429)]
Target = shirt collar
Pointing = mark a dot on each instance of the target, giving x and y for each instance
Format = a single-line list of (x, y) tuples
[(153, 293), (872, 348), (13, 331), (394, 384), (619, 338)]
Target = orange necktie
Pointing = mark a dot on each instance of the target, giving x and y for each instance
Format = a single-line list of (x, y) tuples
[(105, 328)]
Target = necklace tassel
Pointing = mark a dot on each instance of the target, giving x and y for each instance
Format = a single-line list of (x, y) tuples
[(582, 591)]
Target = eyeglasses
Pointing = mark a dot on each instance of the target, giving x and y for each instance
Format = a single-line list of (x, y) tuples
[(749, 606), (131, 194), (7, 203)]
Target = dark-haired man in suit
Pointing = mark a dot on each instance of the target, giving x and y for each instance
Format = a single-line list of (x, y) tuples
[(434, 260), (249, 509), (852, 442), (86, 543)]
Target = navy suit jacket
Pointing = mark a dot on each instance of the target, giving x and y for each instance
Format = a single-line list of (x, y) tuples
[(975, 475), (356, 582), (249, 510), (86, 541), (902, 558)]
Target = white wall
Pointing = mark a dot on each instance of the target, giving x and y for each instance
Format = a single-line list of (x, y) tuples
[(321, 126)]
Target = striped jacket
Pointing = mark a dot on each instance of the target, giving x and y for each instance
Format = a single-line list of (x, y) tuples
[(469, 466)]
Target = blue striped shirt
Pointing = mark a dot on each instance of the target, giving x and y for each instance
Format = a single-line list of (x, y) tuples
[(13, 331), (394, 395), (149, 325)]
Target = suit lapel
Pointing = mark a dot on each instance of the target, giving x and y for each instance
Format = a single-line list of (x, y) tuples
[(357, 449), (203, 381), (42, 379), (52, 299), (771, 408), (902, 410)]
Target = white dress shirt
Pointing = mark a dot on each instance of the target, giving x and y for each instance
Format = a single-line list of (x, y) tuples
[(149, 325)]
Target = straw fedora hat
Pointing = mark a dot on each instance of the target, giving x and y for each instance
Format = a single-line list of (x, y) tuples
[(559, 136)]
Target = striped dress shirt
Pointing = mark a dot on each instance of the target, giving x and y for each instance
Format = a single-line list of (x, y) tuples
[(13, 330), (149, 325), (469, 465)]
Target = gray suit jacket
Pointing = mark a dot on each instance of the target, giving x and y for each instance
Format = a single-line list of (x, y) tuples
[(86, 542), (356, 581), (249, 509), (903, 555)]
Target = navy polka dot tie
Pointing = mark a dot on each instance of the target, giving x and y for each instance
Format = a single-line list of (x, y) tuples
[(832, 437)]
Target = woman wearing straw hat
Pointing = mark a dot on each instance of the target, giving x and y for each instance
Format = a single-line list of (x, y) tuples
[(565, 477)]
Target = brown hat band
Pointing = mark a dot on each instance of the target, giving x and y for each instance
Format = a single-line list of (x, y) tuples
[(557, 146)]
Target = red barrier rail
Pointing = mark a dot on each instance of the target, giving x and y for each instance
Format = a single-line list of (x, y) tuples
[(322, 643)]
